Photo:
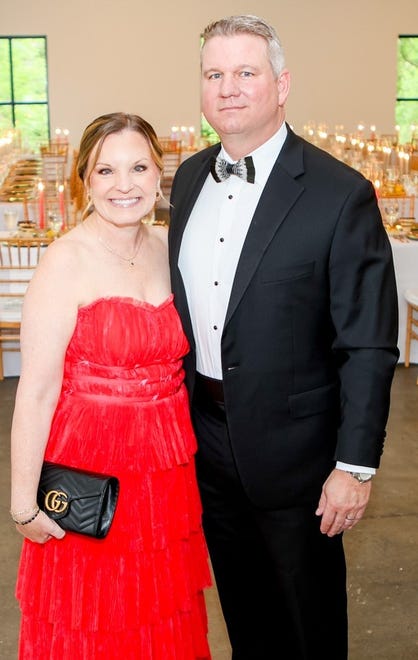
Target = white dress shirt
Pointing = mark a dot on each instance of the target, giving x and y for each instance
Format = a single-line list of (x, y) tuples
[(211, 246)]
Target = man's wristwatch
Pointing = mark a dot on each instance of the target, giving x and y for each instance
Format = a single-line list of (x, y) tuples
[(362, 477)]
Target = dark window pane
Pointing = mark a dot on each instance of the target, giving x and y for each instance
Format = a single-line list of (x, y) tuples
[(6, 121), (29, 69), (407, 119), (32, 121)]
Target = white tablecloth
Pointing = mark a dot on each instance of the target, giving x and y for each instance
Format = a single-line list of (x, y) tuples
[(405, 257)]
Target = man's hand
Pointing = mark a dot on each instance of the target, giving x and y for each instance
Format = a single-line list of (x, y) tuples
[(342, 502)]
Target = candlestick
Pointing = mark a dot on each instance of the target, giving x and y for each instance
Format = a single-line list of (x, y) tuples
[(41, 205), (25, 210), (192, 137), (61, 201)]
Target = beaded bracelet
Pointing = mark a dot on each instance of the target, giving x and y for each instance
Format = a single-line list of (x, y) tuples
[(26, 522), (31, 509)]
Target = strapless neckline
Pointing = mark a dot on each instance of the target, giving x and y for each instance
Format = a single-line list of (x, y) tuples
[(128, 300)]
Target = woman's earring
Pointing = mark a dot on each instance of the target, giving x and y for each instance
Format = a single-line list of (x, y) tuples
[(89, 207)]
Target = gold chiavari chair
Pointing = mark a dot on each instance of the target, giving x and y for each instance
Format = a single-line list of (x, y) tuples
[(172, 158), (18, 259), (411, 297)]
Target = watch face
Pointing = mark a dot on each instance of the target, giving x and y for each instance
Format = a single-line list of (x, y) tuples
[(362, 477)]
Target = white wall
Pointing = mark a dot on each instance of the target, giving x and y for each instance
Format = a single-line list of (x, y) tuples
[(143, 57)]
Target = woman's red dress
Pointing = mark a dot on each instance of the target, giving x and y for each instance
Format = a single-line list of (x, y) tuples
[(123, 410)]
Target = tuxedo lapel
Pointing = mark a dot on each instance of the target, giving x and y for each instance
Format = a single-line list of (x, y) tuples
[(279, 195)]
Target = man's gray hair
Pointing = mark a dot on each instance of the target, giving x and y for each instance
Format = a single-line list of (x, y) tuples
[(248, 24)]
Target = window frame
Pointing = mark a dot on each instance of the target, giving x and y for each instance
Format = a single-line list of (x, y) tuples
[(405, 130), (12, 103)]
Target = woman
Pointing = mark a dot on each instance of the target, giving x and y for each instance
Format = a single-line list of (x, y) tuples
[(102, 389)]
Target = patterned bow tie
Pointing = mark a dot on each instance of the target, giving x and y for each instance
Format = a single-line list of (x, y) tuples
[(222, 170)]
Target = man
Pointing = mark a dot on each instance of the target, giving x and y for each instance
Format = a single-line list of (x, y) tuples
[(285, 286)]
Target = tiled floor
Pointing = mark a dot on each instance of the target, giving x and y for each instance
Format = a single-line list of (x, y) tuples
[(382, 551)]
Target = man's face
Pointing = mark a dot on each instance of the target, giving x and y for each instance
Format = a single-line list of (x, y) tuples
[(240, 94)]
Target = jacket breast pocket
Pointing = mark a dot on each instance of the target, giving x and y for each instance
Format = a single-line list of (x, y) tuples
[(272, 273)]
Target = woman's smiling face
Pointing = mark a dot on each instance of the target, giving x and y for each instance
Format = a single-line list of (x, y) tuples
[(124, 181)]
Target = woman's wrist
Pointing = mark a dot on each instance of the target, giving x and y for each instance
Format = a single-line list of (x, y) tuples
[(25, 516)]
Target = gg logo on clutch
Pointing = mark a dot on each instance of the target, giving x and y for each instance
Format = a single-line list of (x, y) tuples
[(56, 501)]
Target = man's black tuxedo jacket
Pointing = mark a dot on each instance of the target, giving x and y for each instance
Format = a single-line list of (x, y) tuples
[(309, 341)]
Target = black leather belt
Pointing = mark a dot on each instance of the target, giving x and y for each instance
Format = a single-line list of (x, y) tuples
[(209, 389)]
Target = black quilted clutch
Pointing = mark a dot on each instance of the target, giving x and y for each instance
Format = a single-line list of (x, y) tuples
[(77, 500)]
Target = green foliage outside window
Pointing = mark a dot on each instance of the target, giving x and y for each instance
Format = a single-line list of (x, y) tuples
[(24, 88), (207, 132), (406, 112)]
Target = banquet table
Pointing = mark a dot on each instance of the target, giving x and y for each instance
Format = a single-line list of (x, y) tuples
[(405, 256)]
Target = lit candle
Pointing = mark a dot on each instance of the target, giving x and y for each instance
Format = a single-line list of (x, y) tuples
[(387, 151), (61, 200), (192, 136), (41, 205)]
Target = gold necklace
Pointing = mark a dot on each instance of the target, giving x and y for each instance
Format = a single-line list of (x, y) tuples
[(129, 260)]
